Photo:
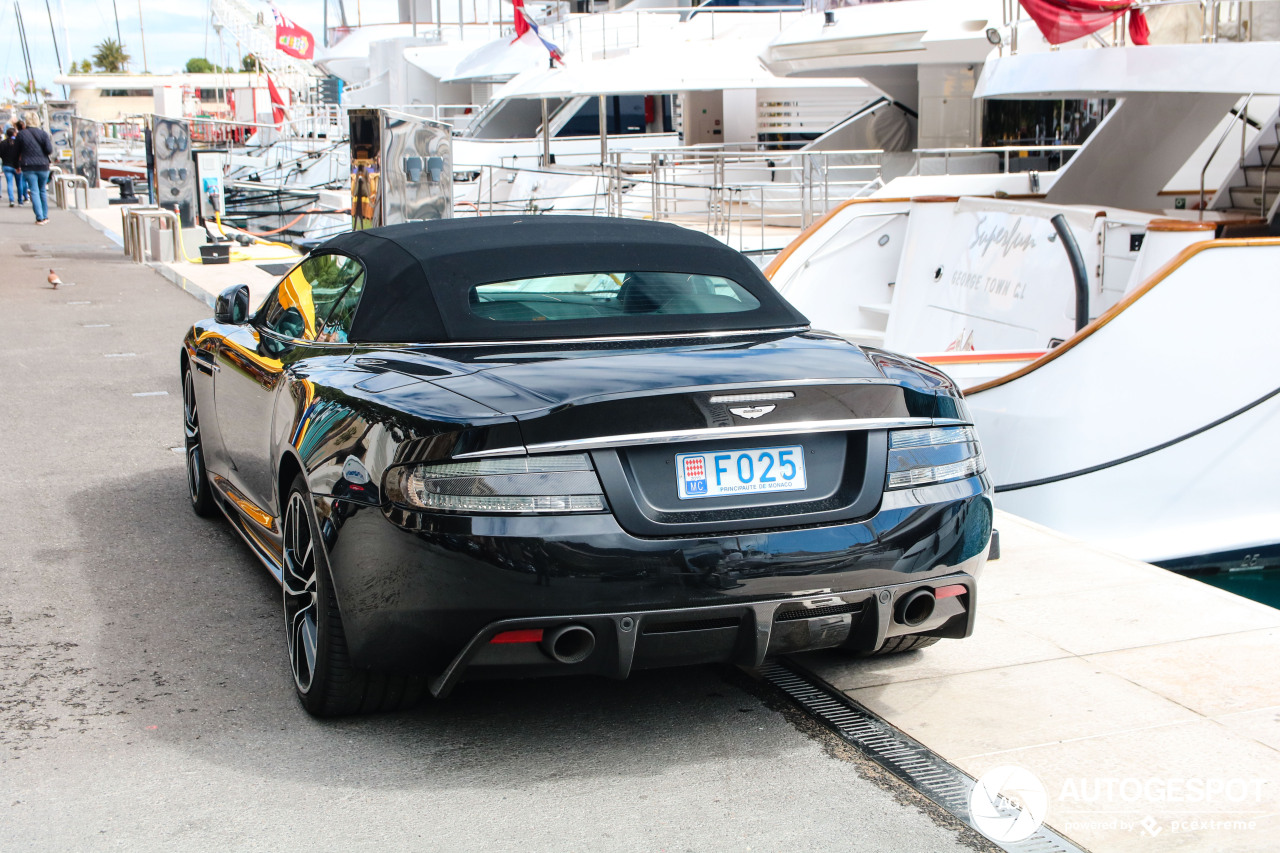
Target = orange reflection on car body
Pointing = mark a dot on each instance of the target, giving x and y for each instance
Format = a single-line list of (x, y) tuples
[(295, 292)]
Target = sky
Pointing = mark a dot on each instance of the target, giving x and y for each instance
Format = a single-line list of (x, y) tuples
[(176, 30)]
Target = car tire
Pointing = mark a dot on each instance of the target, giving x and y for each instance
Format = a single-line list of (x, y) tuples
[(198, 488), (328, 684), (897, 645)]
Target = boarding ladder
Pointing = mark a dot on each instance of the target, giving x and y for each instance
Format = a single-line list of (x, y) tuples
[(1252, 187)]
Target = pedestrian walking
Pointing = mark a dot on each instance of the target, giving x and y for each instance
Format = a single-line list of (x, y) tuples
[(12, 171), (35, 147)]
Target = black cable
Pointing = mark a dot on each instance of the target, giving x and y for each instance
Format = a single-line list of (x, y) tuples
[(1044, 481)]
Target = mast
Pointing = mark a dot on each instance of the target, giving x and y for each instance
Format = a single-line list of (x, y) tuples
[(53, 34), (26, 52), (143, 35), (66, 38)]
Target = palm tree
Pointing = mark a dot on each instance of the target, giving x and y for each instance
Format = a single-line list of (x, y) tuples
[(109, 55), (32, 91)]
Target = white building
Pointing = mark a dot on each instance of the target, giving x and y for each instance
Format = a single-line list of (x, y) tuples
[(111, 97)]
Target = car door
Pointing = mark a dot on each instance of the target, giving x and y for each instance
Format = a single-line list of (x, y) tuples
[(256, 362)]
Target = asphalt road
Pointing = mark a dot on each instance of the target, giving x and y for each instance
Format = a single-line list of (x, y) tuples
[(145, 698)]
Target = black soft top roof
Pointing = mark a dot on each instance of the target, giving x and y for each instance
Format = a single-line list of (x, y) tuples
[(419, 275)]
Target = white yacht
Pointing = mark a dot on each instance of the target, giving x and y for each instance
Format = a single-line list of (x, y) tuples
[(1109, 310), (594, 132)]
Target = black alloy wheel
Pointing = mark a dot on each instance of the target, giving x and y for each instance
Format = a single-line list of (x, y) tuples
[(327, 683), (198, 488), (300, 598)]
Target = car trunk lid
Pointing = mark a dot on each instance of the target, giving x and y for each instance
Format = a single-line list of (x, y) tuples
[(795, 404)]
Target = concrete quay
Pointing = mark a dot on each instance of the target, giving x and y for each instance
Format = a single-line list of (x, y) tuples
[(1147, 704)]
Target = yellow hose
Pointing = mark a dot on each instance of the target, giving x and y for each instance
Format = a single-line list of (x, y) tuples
[(236, 256)]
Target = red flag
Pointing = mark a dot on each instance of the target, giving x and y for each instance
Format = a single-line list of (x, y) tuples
[(522, 25), (291, 38), (279, 112), (1066, 20)]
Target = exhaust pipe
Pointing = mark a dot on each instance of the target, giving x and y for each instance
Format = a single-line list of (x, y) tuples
[(569, 643), (915, 608)]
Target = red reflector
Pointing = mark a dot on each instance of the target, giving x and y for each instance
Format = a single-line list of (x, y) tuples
[(527, 635), (949, 591)]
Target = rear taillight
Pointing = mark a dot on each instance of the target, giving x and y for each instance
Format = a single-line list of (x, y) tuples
[(920, 457), (534, 484)]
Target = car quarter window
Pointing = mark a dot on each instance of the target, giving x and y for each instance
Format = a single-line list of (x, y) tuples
[(316, 300)]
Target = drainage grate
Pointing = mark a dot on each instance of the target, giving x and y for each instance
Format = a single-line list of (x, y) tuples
[(902, 755)]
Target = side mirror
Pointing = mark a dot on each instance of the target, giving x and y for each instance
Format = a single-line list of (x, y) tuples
[(232, 306)]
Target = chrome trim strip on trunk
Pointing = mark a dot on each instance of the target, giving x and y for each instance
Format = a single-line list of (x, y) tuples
[(746, 431), (497, 451)]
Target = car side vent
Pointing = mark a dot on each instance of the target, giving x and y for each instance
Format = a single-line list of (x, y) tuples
[(814, 612)]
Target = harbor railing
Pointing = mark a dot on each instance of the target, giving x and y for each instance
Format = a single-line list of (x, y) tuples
[(739, 196), (780, 187)]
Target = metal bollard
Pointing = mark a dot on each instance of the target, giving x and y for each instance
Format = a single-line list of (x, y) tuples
[(60, 184)]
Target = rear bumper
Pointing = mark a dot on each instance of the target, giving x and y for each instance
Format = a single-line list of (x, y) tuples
[(745, 634), (425, 593)]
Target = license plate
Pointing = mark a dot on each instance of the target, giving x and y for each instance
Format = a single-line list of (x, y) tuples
[(740, 472)]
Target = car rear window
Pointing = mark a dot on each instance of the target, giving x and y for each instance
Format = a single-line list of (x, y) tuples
[(584, 296)]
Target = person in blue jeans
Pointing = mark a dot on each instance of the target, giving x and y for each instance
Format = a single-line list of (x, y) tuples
[(35, 146), (12, 171)]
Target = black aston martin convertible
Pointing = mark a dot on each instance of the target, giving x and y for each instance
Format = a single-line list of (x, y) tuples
[(521, 446)]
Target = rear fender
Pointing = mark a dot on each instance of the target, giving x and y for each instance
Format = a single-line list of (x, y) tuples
[(347, 436)]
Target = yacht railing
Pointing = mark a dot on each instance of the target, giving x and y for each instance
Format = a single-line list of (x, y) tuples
[(752, 199), (743, 197), (487, 20), (580, 36), (304, 121), (783, 187), (1241, 116), (459, 116), (1006, 155), (586, 37), (1265, 210)]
